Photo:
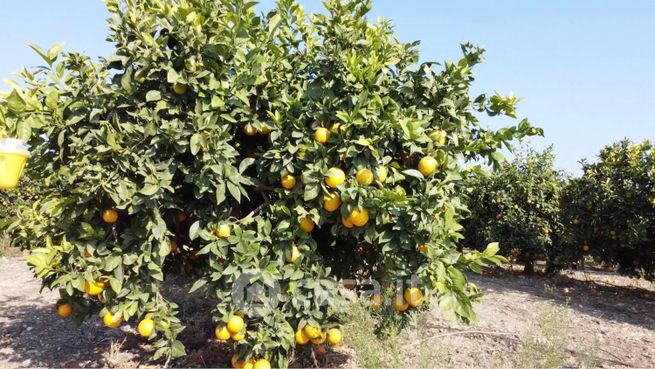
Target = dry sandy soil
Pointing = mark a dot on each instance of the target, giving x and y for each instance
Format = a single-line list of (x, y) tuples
[(590, 319)]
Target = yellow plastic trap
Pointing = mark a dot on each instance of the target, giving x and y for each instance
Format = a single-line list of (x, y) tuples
[(13, 157)]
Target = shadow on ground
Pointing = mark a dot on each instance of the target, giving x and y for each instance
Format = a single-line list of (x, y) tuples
[(34, 336)]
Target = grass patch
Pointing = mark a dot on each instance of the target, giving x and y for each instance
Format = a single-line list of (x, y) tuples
[(391, 347), (360, 336), (544, 345), (5, 242)]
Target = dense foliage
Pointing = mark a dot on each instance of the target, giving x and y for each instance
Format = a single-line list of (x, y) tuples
[(209, 144), (11, 201), (518, 206), (610, 210)]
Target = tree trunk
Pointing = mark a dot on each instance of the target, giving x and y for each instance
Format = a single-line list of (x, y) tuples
[(529, 265)]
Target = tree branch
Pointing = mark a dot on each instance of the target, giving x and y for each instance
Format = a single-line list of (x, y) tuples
[(488, 333)]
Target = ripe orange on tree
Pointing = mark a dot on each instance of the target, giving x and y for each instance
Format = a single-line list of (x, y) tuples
[(239, 336), (335, 177), (288, 181), (331, 202), (322, 135), (110, 216), (347, 223), (400, 304), (112, 321), (307, 224), (364, 176), (249, 364), (427, 165), (295, 254), (249, 130), (262, 364), (236, 363), (359, 217), (413, 296), (222, 333), (376, 301), (320, 339), (235, 324), (146, 327), (94, 288), (301, 337), (312, 331), (64, 310), (334, 336), (381, 173), (223, 231), (180, 88)]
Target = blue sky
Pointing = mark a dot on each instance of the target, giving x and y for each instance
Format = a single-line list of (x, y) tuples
[(585, 69)]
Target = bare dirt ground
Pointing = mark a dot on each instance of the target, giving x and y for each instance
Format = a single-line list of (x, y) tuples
[(591, 319), (577, 319)]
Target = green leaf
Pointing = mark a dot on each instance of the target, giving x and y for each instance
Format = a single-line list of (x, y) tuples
[(458, 278), (194, 143), (199, 283), (15, 103), (234, 191), (149, 189), (52, 99), (311, 191), (153, 95), (245, 163), (116, 285), (273, 23), (24, 130), (193, 230), (54, 51), (413, 173), (42, 53), (177, 350), (112, 262), (492, 249), (172, 76)]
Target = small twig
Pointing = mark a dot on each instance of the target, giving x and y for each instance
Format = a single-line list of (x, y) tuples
[(315, 360), (612, 355), (488, 333), (257, 210), (264, 189)]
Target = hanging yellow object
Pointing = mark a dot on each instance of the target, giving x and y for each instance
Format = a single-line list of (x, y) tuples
[(13, 157)]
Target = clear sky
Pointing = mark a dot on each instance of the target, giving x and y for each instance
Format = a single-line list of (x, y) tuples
[(585, 69)]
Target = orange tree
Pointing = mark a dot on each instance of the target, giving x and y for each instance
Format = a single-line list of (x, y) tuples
[(11, 201), (609, 210), (518, 206), (273, 154)]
